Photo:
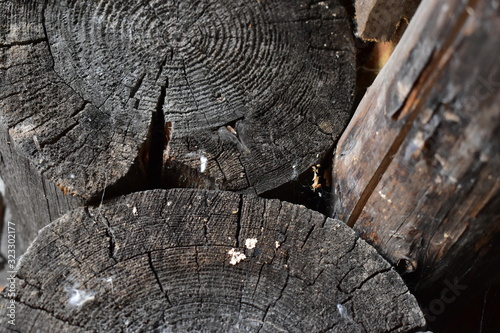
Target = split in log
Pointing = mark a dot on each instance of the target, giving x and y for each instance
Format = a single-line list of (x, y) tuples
[(379, 20), (417, 170), (188, 260), (123, 96)]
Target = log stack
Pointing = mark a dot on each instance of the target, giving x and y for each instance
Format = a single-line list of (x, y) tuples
[(105, 104)]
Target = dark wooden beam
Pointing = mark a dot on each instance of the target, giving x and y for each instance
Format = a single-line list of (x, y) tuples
[(417, 170)]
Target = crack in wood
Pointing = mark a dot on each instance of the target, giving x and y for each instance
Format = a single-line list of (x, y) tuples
[(158, 141), (51, 314), (153, 270), (138, 84), (273, 304), (24, 42), (238, 220)]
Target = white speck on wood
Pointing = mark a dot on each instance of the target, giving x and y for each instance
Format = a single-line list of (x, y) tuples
[(203, 163), (79, 297), (448, 116), (295, 174), (134, 211), (384, 197), (343, 313), (236, 256), (110, 281), (250, 243), (277, 244), (37, 143)]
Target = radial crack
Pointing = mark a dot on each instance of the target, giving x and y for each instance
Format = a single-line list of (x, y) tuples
[(150, 262), (158, 141)]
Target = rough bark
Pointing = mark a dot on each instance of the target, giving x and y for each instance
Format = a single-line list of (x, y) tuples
[(378, 20), (123, 96), (169, 260), (417, 170)]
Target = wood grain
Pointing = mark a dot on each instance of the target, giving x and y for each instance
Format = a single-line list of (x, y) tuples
[(417, 170), (116, 97), (161, 260)]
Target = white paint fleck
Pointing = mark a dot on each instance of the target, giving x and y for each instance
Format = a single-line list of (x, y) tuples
[(134, 211), (110, 281), (250, 243), (203, 163), (277, 244), (295, 174), (72, 176), (384, 197), (324, 4), (343, 312), (169, 203), (37, 143), (79, 297), (236, 256)]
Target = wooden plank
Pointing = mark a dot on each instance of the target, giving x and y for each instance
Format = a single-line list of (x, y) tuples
[(417, 170), (186, 260)]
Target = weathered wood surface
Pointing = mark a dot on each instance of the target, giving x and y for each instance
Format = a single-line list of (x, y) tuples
[(417, 170), (188, 260), (378, 20), (3, 238), (132, 95)]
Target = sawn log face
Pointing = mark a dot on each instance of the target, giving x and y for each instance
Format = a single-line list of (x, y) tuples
[(133, 95), (194, 260)]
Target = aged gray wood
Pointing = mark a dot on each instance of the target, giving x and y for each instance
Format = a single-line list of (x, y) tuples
[(417, 170), (160, 260), (123, 96), (378, 20)]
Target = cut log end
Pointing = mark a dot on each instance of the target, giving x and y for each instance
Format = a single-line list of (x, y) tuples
[(132, 96), (192, 260), (109, 81)]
